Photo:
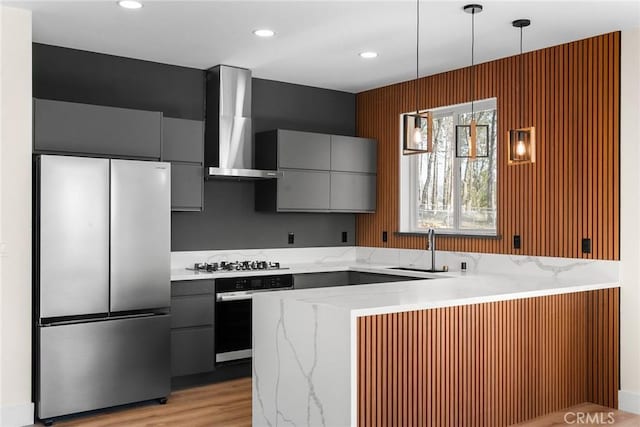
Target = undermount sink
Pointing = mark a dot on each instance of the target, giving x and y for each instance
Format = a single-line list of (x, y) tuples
[(421, 270)]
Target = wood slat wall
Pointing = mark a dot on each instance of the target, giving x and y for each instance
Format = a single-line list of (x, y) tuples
[(491, 364), (570, 193)]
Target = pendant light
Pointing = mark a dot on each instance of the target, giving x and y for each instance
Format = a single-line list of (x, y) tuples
[(522, 141), (418, 126), (471, 138)]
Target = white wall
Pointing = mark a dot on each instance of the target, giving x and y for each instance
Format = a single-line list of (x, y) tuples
[(629, 397), (16, 408)]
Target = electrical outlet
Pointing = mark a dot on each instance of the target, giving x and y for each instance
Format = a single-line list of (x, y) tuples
[(384, 236), (586, 245), (291, 238), (516, 241), (344, 237)]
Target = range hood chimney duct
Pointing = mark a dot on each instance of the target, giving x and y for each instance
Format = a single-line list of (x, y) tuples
[(228, 131)]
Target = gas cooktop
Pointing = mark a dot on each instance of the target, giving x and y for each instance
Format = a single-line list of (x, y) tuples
[(236, 266)]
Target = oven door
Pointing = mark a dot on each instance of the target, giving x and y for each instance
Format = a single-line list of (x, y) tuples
[(233, 326)]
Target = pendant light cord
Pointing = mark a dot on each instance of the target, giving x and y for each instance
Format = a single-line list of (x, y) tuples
[(473, 72), (521, 82), (417, 52)]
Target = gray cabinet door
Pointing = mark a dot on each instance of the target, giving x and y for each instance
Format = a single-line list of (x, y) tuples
[(193, 310), (192, 287), (182, 140), (304, 150), (353, 192), (187, 184), (191, 351), (303, 191), (351, 154), (92, 129), (322, 280), (140, 235)]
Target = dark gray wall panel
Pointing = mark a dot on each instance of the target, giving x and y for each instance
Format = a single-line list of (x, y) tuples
[(92, 78), (229, 221), (278, 105)]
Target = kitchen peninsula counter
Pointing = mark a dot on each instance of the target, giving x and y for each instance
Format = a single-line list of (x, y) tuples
[(403, 351)]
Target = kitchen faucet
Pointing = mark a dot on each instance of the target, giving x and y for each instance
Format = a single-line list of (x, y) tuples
[(431, 246)]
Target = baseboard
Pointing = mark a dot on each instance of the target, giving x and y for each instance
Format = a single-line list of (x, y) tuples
[(629, 401), (16, 415)]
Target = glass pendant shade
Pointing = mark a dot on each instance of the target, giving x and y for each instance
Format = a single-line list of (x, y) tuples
[(522, 146), (417, 133), (472, 140)]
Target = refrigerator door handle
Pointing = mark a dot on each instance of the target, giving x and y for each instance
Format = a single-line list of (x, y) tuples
[(101, 319)]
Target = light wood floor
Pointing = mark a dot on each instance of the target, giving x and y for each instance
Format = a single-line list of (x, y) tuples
[(601, 414), (222, 404), (229, 404)]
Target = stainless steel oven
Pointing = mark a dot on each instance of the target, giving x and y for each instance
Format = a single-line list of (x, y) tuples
[(233, 312)]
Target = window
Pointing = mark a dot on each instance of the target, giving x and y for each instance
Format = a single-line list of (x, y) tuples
[(452, 195)]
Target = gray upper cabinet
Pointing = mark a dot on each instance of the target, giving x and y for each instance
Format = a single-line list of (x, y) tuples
[(183, 146), (182, 140), (187, 186), (304, 191), (353, 192), (351, 154), (321, 173), (91, 129), (303, 150)]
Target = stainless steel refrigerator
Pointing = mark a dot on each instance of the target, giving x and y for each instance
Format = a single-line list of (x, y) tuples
[(101, 283)]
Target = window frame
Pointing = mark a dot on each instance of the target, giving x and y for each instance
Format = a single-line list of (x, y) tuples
[(409, 182)]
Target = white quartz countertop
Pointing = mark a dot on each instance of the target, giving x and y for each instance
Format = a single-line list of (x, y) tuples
[(445, 290), (433, 290)]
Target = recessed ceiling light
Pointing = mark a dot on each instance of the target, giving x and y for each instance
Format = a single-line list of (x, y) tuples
[(368, 55), (130, 4), (264, 33)]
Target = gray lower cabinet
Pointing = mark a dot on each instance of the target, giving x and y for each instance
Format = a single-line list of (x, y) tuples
[(353, 192), (70, 127), (343, 278), (322, 280), (192, 327), (187, 186), (191, 351)]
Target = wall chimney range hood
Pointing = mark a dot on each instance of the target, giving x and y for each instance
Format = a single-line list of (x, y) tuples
[(228, 131)]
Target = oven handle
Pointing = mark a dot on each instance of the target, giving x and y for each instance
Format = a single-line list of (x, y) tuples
[(234, 296)]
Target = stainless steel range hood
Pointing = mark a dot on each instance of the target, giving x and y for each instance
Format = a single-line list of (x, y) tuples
[(228, 131)]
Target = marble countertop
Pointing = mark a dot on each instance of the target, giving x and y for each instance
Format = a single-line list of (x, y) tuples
[(436, 290)]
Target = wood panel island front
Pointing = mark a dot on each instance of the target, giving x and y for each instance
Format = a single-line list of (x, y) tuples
[(472, 350)]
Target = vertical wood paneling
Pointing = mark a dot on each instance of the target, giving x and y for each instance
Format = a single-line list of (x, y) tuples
[(491, 364), (572, 191)]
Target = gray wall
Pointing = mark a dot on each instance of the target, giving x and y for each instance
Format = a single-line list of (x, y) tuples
[(229, 220)]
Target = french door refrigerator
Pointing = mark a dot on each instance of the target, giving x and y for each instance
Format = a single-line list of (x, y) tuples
[(101, 283)]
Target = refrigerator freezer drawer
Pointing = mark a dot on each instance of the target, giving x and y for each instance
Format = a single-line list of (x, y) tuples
[(88, 366)]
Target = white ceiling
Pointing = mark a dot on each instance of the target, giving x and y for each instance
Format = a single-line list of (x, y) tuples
[(317, 42)]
